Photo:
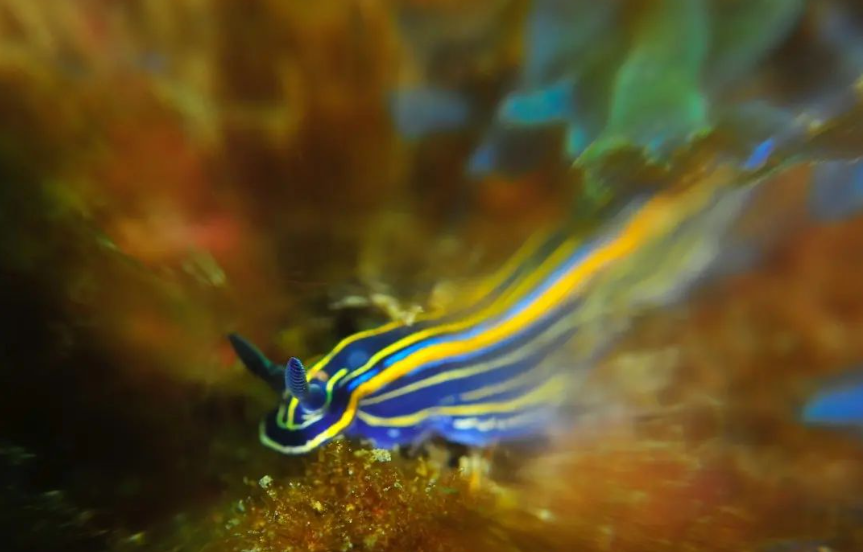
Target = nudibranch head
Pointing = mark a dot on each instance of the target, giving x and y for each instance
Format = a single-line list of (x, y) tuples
[(312, 409)]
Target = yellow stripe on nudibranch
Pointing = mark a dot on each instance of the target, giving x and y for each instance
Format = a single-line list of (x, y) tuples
[(656, 216), (463, 373), (549, 392), (510, 268), (288, 409), (531, 375), (499, 307)]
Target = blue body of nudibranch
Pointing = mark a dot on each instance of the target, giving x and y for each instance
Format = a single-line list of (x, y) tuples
[(482, 374)]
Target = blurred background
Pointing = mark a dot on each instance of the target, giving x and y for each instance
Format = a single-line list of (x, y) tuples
[(174, 170)]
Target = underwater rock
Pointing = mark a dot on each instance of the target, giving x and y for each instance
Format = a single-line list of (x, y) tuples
[(34, 519)]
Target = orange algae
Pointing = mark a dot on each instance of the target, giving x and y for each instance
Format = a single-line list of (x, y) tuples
[(630, 491), (357, 499)]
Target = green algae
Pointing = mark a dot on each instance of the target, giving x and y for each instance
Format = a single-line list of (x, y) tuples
[(657, 101)]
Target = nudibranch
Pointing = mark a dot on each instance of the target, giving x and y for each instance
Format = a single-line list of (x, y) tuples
[(475, 376)]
